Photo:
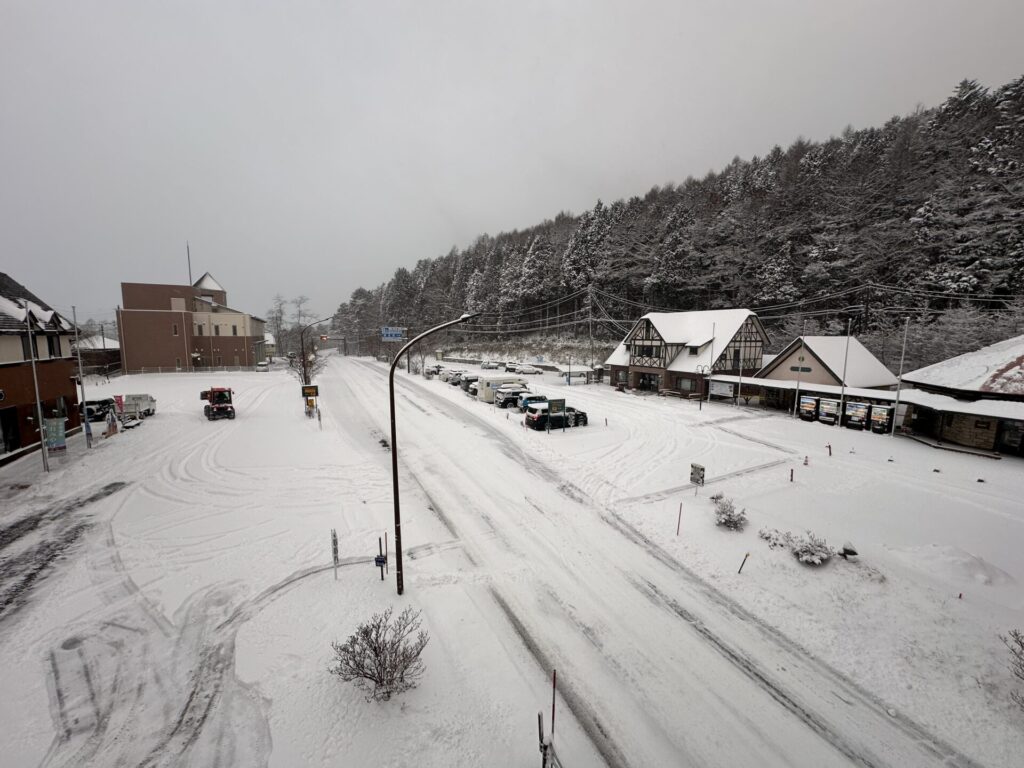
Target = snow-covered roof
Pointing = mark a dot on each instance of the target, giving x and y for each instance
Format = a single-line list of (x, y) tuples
[(710, 330), (207, 283), (863, 369), (98, 342), (15, 298), (995, 409), (995, 368)]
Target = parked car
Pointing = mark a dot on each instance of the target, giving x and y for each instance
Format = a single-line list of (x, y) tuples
[(526, 399), (456, 378), (262, 367), (530, 369), (508, 397), (468, 378), (447, 373), (512, 367), (537, 417), (471, 390), (97, 410), (491, 364)]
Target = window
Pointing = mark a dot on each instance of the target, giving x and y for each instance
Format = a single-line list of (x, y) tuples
[(216, 330), (799, 369), (735, 358), (694, 350), (26, 350), (177, 363), (175, 329), (53, 346), (234, 330), (199, 330)]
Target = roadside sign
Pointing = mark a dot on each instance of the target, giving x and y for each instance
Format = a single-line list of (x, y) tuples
[(388, 333), (556, 407), (721, 389), (379, 561), (697, 474), (311, 390)]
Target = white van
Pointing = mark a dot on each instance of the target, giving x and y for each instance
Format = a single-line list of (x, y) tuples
[(487, 384)]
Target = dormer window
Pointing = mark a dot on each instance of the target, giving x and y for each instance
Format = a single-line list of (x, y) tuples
[(694, 351)]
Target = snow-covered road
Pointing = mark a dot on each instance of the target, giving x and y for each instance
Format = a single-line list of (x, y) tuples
[(168, 597), (661, 669)]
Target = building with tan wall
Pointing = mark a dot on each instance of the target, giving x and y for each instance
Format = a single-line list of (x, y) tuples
[(185, 328)]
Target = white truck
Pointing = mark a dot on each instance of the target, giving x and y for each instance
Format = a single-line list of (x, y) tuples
[(487, 384), (139, 406)]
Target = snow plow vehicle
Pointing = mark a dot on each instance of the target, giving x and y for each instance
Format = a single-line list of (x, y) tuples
[(218, 403)]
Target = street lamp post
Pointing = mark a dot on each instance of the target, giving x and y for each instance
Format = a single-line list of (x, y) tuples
[(302, 347), (394, 441), (705, 371)]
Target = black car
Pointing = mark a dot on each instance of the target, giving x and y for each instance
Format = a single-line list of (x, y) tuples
[(509, 398), (97, 410), (537, 417)]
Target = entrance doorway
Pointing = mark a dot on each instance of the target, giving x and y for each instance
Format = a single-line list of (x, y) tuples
[(9, 437)]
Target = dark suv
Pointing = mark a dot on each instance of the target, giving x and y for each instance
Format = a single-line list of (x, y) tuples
[(509, 398), (97, 410), (537, 417)]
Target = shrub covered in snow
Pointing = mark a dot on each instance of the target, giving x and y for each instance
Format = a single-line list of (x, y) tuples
[(1015, 642), (726, 514), (381, 658), (811, 549), (808, 549), (776, 539)]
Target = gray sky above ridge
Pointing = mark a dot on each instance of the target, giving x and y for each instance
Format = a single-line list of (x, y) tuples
[(310, 148)]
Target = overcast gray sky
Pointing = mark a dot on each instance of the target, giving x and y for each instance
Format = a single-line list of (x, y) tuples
[(313, 147)]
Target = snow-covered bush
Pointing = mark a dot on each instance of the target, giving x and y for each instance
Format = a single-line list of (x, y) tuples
[(727, 515), (808, 549), (381, 658), (1015, 642), (811, 549), (776, 539)]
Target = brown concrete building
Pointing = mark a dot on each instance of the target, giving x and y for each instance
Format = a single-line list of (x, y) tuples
[(27, 324), (185, 328)]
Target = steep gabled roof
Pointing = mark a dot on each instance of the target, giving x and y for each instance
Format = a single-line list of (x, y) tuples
[(995, 368), (13, 296), (690, 329), (207, 283), (863, 369)]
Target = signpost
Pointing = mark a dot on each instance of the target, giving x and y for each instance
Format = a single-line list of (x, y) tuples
[(720, 388), (311, 390), (388, 333), (696, 476), (556, 407)]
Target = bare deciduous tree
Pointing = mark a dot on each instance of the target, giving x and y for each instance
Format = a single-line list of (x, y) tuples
[(1015, 642), (381, 657)]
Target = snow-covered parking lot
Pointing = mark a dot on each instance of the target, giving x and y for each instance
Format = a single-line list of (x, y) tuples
[(185, 617)]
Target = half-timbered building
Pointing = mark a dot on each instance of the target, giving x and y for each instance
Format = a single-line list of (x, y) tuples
[(675, 351)]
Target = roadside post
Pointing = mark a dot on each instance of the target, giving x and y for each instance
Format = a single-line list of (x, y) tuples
[(334, 551), (380, 560), (696, 477)]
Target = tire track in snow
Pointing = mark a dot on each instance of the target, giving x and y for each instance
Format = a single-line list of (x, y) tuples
[(933, 748)]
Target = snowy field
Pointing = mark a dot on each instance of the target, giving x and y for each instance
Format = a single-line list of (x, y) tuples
[(168, 597)]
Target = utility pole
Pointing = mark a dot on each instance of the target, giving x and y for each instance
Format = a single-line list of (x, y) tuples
[(81, 379), (35, 382), (899, 381), (846, 357)]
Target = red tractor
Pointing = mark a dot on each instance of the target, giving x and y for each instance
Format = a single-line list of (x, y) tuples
[(218, 403)]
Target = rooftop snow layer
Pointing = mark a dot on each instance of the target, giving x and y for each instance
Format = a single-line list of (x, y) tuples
[(995, 368)]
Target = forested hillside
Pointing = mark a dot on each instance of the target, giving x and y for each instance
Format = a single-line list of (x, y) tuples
[(921, 217)]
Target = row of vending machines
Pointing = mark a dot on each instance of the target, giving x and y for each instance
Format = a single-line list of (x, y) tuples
[(877, 418)]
